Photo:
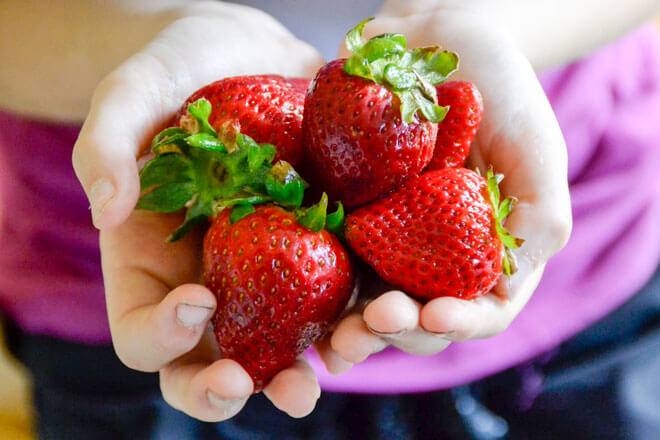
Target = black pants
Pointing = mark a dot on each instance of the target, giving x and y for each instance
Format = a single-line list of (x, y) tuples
[(602, 384)]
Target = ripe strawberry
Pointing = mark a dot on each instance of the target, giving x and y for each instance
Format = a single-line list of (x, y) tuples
[(279, 287), (301, 84), (458, 129), (369, 121), (441, 234), (268, 108), (280, 279)]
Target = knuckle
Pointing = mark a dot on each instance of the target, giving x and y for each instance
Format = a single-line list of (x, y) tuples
[(133, 362), (167, 391)]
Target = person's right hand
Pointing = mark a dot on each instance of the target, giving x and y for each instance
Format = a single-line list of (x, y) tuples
[(158, 312)]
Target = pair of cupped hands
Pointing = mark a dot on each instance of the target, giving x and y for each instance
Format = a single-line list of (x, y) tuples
[(158, 311)]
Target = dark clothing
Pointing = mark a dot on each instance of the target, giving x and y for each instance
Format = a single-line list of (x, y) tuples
[(602, 384)]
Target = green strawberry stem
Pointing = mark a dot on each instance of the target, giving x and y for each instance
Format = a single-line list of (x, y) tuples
[(207, 171), (409, 74), (501, 209)]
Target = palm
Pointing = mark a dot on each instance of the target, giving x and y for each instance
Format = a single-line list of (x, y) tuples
[(138, 249)]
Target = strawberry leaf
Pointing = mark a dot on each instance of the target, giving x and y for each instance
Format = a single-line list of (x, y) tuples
[(358, 66), (240, 211), (165, 169), (244, 199), (438, 68), (383, 46), (206, 142), (410, 74), (201, 110), (399, 78), (314, 217), (197, 214), (170, 136), (354, 42), (431, 111), (284, 184), (335, 222), (500, 212), (170, 197), (256, 154)]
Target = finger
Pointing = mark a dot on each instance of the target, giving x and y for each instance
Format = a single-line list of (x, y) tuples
[(294, 390), (333, 362), (353, 341), (394, 317), (124, 114), (392, 312), (485, 316), (210, 393), (149, 336)]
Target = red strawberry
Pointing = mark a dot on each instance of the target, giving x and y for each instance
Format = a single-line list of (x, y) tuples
[(279, 287), (458, 129), (301, 84), (280, 279), (267, 108), (369, 120), (439, 235)]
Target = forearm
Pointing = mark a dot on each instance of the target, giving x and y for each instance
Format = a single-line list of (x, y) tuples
[(555, 32), (59, 51), (549, 32)]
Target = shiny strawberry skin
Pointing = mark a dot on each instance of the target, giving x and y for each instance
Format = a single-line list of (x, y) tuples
[(301, 84), (433, 237), (356, 145), (457, 131), (279, 287), (268, 108)]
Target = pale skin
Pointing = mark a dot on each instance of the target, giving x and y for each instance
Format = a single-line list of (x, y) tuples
[(159, 313)]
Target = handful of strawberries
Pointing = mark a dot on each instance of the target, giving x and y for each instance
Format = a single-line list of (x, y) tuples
[(381, 135)]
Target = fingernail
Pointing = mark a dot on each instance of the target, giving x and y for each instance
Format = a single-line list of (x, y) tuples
[(386, 334), (100, 195), (220, 402), (446, 335), (191, 315)]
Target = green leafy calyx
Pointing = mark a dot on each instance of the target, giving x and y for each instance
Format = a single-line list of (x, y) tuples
[(206, 171), (501, 209), (316, 217), (409, 74)]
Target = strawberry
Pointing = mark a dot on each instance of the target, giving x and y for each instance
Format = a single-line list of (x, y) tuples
[(268, 108), (370, 121), (458, 129), (301, 84), (280, 279), (441, 234), (279, 287)]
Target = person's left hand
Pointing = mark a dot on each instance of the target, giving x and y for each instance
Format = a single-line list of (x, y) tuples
[(520, 137)]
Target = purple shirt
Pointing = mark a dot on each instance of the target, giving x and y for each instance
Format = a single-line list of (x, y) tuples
[(50, 275), (608, 107)]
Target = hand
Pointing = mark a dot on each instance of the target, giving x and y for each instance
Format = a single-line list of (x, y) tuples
[(158, 312), (519, 136)]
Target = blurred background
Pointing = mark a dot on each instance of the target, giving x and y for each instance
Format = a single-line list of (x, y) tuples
[(15, 405)]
